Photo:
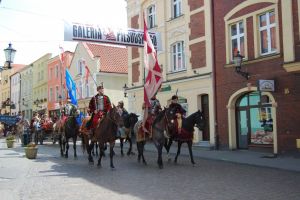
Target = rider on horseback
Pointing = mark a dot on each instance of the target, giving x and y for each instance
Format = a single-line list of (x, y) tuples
[(69, 109), (150, 114), (180, 112), (99, 105)]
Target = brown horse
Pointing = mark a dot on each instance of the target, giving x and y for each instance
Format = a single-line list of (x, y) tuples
[(186, 134), (106, 132), (159, 126)]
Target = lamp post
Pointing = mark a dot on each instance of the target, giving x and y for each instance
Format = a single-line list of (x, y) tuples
[(125, 90), (9, 56), (238, 59)]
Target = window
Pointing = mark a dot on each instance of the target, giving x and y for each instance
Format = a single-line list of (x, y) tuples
[(80, 90), (177, 57), (237, 39), (51, 95), (267, 30), (151, 16), (80, 67), (57, 93), (176, 8), (56, 71)]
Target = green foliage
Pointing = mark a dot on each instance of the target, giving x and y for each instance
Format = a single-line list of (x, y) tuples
[(11, 137)]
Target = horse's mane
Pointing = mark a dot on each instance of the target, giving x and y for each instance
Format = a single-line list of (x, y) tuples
[(189, 122), (159, 116)]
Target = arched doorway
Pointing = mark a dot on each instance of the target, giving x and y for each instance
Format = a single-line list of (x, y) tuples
[(234, 123), (254, 119)]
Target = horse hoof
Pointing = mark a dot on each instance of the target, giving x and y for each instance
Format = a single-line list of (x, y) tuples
[(112, 167), (75, 158), (169, 159), (145, 163), (161, 166), (132, 153)]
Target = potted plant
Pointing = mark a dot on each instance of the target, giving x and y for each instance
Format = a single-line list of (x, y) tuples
[(31, 151), (10, 141)]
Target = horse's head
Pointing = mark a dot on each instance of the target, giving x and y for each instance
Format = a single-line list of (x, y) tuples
[(114, 115), (170, 114), (200, 122), (130, 120)]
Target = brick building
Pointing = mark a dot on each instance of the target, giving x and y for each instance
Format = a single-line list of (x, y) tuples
[(266, 33)]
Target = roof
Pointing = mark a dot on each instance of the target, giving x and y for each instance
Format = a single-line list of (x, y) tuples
[(113, 59)]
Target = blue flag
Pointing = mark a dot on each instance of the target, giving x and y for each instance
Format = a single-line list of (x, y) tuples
[(71, 86)]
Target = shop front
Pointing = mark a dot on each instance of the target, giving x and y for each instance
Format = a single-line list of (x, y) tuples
[(252, 121)]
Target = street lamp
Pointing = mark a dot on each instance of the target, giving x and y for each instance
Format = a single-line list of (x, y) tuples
[(9, 56), (238, 59), (125, 90)]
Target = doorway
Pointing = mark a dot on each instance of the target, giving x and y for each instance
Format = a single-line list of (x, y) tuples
[(254, 121)]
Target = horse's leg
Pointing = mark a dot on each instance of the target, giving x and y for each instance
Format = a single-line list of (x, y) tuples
[(129, 152), (139, 148), (96, 148), (167, 145), (67, 148), (61, 145), (178, 151), (91, 147), (88, 148), (74, 146), (101, 154), (121, 145), (159, 159), (191, 151), (142, 150), (111, 154)]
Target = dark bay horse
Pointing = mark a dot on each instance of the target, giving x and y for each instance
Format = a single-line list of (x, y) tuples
[(159, 126), (106, 132), (186, 134), (71, 130), (125, 131)]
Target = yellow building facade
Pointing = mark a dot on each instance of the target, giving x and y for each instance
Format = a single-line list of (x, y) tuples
[(185, 57), (5, 86), (40, 84)]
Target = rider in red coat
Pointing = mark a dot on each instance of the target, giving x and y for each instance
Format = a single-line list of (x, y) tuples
[(99, 105)]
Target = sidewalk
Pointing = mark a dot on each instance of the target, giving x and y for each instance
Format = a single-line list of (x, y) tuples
[(261, 159)]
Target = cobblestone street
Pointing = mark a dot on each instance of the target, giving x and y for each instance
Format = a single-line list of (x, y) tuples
[(53, 177)]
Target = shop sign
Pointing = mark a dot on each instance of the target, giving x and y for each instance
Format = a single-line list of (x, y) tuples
[(165, 88), (266, 85), (96, 33)]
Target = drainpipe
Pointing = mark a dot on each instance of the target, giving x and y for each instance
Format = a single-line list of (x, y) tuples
[(216, 135)]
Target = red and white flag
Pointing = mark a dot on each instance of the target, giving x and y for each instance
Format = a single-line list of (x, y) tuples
[(154, 78), (61, 55)]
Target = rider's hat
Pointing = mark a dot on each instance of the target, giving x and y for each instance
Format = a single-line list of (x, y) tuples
[(121, 102), (100, 87), (174, 97)]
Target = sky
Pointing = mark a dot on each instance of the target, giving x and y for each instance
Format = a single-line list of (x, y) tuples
[(36, 27)]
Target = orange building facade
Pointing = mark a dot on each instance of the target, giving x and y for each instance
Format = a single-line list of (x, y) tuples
[(57, 93)]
